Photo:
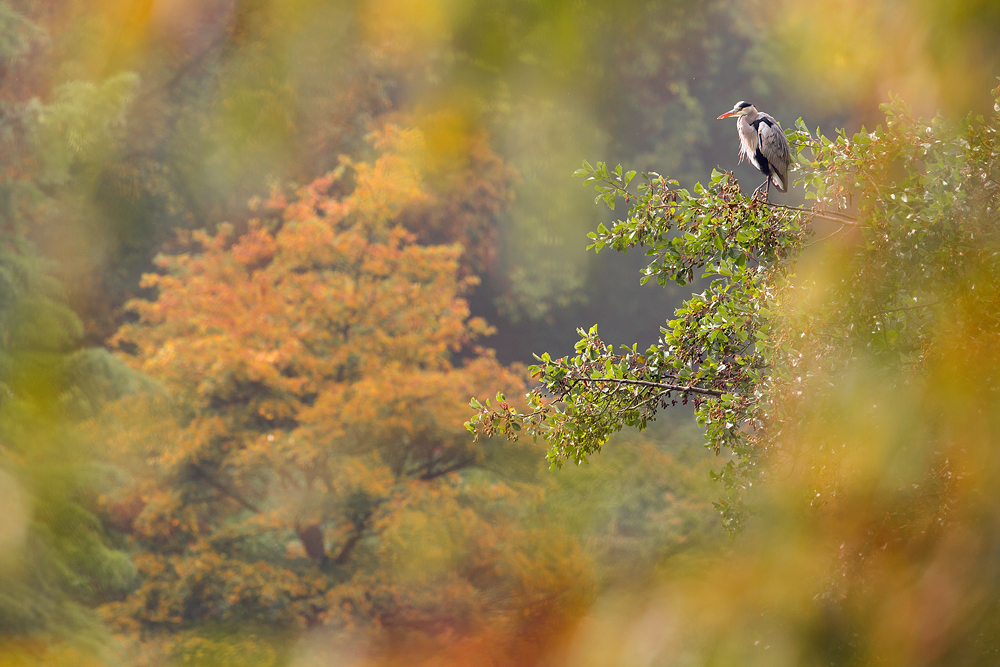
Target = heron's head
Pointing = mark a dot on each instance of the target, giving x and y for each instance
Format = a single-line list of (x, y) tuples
[(741, 109)]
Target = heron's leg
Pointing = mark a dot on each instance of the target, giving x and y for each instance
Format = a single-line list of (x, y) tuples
[(765, 183)]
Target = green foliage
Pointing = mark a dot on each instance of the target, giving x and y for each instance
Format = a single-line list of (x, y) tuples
[(54, 558), (879, 466), (56, 561), (925, 197), (711, 352), (17, 34), (82, 121)]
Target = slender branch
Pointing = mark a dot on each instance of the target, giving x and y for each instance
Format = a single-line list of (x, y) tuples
[(658, 385), (219, 486), (831, 234), (822, 215), (651, 399), (440, 472), (832, 216), (352, 541), (913, 307)]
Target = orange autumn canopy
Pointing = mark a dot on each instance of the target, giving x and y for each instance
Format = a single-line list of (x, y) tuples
[(313, 466)]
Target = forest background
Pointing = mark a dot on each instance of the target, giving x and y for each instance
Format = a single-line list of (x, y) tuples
[(254, 258)]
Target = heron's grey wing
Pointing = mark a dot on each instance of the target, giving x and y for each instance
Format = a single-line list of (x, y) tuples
[(774, 147)]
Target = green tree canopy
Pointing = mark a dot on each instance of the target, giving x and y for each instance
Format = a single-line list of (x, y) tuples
[(56, 560), (851, 380)]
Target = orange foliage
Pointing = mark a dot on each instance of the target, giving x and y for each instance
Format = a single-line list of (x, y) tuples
[(312, 467)]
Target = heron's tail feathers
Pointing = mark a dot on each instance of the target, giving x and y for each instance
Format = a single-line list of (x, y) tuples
[(780, 181)]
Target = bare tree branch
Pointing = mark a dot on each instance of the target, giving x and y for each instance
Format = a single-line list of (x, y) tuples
[(219, 486)]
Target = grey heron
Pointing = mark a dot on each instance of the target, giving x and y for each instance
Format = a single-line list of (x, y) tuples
[(762, 143)]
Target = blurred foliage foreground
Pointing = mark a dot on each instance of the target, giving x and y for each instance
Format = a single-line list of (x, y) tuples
[(854, 379)]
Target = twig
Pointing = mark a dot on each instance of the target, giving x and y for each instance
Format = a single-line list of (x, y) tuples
[(219, 486), (913, 307), (840, 229), (352, 541), (833, 216), (658, 385)]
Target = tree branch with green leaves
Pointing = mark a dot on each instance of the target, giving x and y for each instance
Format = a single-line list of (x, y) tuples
[(919, 201), (712, 353)]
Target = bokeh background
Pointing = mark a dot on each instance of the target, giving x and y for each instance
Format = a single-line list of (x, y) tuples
[(257, 457)]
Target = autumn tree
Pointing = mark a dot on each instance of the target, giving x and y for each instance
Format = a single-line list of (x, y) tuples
[(311, 466)]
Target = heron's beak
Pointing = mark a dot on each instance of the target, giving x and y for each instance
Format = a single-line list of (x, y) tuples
[(727, 114)]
